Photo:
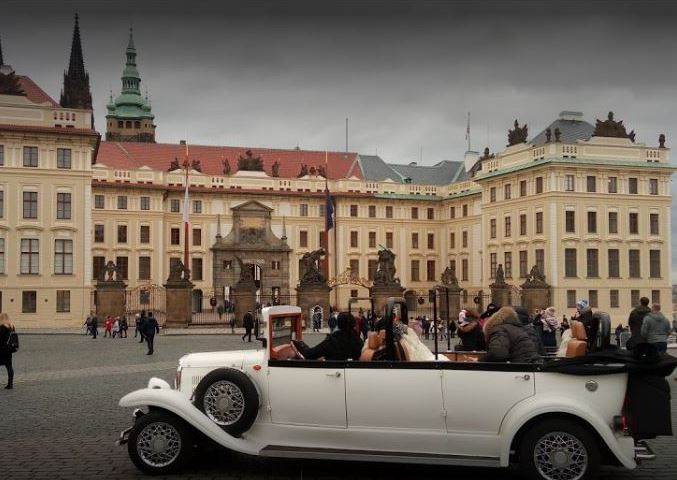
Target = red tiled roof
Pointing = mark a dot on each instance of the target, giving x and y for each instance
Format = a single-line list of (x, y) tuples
[(158, 156), (66, 130), (34, 93)]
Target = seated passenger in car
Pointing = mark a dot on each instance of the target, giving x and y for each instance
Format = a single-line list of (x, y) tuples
[(507, 339), (470, 332), (342, 344)]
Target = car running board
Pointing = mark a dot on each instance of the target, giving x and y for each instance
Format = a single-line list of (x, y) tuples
[(281, 451)]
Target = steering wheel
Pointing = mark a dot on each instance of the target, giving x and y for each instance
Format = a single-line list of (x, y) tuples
[(296, 350)]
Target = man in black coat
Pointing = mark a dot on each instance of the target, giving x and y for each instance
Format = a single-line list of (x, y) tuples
[(635, 321), (142, 325), (94, 325), (343, 344), (150, 328), (248, 324)]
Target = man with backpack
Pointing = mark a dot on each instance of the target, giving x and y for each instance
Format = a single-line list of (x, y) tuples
[(9, 344)]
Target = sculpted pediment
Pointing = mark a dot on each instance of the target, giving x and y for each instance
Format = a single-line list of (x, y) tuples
[(251, 206)]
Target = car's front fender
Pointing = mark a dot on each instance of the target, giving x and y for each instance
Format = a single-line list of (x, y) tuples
[(158, 395)]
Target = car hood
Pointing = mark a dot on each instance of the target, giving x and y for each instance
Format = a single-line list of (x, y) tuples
[(221, 359)]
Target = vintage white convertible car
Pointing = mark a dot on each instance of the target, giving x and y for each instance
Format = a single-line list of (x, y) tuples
[(556, 422)]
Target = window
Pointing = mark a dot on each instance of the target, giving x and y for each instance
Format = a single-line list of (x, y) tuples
[(353, 239), (2, 255), (507, 191), (654, 263), (613, 222), (540, 260), (452, 240), (570, 262), (29, 301), (569, 185), (614, 263), (539, 184), (430, 270), (30, 156), (592, 222), (431, 214), (389, 212), (570, 221), (122, 233), (196, 269), (320, 210), (197, 206), (465, 210), (63, 206), (2, 204), (656, 296), (303, 238), (303, 210), (633, 222), (632, 185), (63, 158), (144, 268), (371, 269), (508, 226), (353, 210), (98, 267), (144, 234), (197, 237), (389, 239), (99, 233), (633, 263), (571, 298), (372, 239), (653, 186), (145, 203), (523, 188), (122, 202), (123, 266), (30, 256), (120, 124), (539, 223), (614, 298), (524, 263), (99, 201), (464, 269), (414, 212), (493, 265), (612, 185), (414, 240), (355, 266), (523, 224), (452, 212), (63, 257), (63, 301), (492, 228), (593, 262), (464, 239), (634, 297), (2, 155), (323, 239), (228, 265), (653, 224), (415, 277), (591, 184), (353, 293), (492, 194), (30, 204), (431, 241), (174, 236), (593, 300), (175, 205), (372, 211), (507, 264)]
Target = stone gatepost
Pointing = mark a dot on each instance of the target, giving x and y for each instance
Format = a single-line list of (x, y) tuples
[(449, 295), (500, 291), (310, 296), (110, 298), (245, 300), (536, 291), (380, 295), (386, 284), (178, 301)]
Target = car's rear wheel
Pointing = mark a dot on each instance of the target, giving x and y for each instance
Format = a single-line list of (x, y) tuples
[(229, 398), (160, 443), (559, 449)]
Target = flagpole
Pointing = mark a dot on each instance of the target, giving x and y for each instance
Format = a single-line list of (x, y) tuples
[(186, 207), (325, 264)]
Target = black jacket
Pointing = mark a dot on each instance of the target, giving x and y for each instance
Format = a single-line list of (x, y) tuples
[(5, 353), (472, 340), (340, 345), (150, 327), (523, 316), (248, 321), (508, 340), (635, 320)]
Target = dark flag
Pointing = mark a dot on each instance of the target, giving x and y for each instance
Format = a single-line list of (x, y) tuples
[(328, 210)]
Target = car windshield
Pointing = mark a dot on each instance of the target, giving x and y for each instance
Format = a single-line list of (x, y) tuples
[(282, 329)]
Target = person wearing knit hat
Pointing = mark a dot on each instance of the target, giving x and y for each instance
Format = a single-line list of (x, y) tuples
[(584, 315), (507, 339), (469, 331), (582, 304)]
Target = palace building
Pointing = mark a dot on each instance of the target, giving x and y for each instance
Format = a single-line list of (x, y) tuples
[(581, 200)]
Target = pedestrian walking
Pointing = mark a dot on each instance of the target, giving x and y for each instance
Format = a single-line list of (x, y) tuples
[(618, 332), (656, 328), (108, 327), (635, 320), (94, 326), (150, 328), (425, 324), (317, 319), (248, 324), (123, 327), (88, 325), (232, 325), (8, 346), (116, 327), (142, 326)]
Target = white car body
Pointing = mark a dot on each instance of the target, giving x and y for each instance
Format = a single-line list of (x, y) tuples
[(415, 412)]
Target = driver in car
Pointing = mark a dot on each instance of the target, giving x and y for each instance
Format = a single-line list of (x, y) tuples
[(343, 344)]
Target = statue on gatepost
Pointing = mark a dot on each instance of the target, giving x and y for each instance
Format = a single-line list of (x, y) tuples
[(109, 270), (535, 279), (385, 269), (500, 275), (178, 272), (311, 273), (449, 277)]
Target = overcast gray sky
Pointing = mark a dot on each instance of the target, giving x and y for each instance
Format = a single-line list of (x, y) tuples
[(278, 74)]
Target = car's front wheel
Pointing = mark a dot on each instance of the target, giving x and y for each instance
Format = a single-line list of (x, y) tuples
[(559, 449), (160, 443)]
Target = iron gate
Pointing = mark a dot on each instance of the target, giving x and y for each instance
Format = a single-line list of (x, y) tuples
[(148, 298)]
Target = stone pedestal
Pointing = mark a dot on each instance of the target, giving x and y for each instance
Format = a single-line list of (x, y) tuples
[(110, 299), (500, 294), (311, 296), (536, 297), (449, 303), (245, 300), (178, 303), (381, 293)]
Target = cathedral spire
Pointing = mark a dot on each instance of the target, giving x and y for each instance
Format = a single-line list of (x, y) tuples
[(76, 92)]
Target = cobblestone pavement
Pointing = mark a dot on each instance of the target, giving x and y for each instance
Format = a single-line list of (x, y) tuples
[(62, 418)]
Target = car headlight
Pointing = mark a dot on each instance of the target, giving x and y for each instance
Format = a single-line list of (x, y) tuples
[(177, 379)]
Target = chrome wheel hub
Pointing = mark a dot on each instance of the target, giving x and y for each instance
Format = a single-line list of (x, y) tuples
[(560, 456), (224, 402), (158, 444)]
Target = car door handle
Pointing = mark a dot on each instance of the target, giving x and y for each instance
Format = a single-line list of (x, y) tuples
[(335, 374), (524, 377)]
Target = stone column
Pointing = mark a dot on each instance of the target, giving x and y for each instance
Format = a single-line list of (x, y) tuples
[(500, 294), (245, 300), (178, 303), (309, 296), (110, 298)]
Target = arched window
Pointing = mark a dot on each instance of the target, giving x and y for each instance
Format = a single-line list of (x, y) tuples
[(137, 124), (128, 124), (120, 124)]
